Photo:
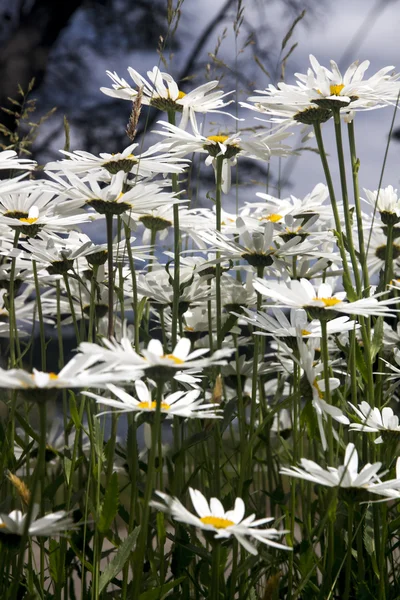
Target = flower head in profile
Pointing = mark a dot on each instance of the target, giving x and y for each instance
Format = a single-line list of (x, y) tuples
[(212, 517), (162, 92), (178, 404), (321, 90), (50, 525), (375, 420), (347, 475)]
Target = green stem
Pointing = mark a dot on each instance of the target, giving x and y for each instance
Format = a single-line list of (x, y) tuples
[(355, 164), (388, 273), (328, 177), (11, 307), (72, 308), (135, 303), (215, 573), (109, 223), (345, 196), (177, 249), (350, 517), (218, 207), (144, 525), (40, 315), (38, 479)]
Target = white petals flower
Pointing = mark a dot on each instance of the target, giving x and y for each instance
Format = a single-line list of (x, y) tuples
[(302, 294), (179, 404), (345, 476), (162, 92), (213, 518), (10, 160), (144, 164), (120, 355), (49, 525), (374, 420)]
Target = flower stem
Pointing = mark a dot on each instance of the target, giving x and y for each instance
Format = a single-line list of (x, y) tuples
[(350, 516), (345, 196), (140, 551), (109, 223), (218, 187), (346, 276), (355, 164)]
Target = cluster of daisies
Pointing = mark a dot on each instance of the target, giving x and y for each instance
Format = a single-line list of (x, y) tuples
[(270, 297)]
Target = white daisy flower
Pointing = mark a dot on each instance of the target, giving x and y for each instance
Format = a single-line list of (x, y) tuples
[(144, 164), (179, 404), (113, 197), (10, 160), (302, 294), (52, 524), (212, 517), (386, 201), (374, 420), (346, 475), (229, 147), (162, 92)]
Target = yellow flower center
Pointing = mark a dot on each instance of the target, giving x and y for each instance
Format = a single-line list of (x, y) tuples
[(274, 218), (177, 361), (336, 89), (218, 139), (329, 301), (217, 522), (30, 220), (2, 525), (153, 405), (305, 332), (187, 328), (181, 95), (53, 376)]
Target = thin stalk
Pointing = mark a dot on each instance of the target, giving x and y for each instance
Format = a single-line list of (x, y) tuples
[(347, 215), (38, 478), (135, 302), (40, 316), (215, 571), (72, 308), (355, 164), (328, 177), (350, 517), (140, 551), (11, 307), (177, 249), (109, 223), (388, 272), (218, 207)]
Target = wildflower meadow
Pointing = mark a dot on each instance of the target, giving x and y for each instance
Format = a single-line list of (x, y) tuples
[(206, 404)]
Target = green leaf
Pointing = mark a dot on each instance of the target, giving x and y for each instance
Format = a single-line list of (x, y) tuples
[(159, 593), (74, 411), (119, 560), (110, 505), (56, 569)]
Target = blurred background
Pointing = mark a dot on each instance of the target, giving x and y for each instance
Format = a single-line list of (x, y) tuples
[(67, 46)]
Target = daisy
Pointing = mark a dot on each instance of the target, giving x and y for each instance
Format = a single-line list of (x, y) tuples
[(10, 160), (162, 92), (374, 420), (113, 197), (321, 90), (229, 147), (178, 404), (321, 302), (386, 202), (144, 164), (346, 475), (212, 517), (78, 372), (52, 524), (153, 360)]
